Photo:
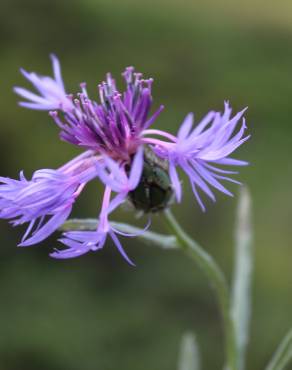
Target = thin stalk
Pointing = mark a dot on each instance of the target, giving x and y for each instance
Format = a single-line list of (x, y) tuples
[(217, 280)]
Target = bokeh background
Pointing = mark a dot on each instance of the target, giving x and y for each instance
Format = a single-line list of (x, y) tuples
[(96, 312)]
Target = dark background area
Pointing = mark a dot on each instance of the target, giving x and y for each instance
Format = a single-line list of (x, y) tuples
[(96, 312)]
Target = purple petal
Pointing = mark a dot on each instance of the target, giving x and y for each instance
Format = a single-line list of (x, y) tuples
[(120, 248), (207, 175), (186, 126), (141, 232), (37, 106), (202, 125), (153, 118), (197, 179), (52, 225), (75, 250), (198, 198), (116, 202), (29, 95), (231, 162), (136, 169), (57, 70), (175, 181)]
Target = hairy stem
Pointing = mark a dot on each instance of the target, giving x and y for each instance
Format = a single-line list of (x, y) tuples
[(217, 280)]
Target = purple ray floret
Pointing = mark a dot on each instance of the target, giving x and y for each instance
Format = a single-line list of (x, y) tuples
[(117, 180), (52, 94), (122, 151), (45, 201), (199, 151)]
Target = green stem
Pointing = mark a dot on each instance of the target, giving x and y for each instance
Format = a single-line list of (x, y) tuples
[(217, 280)]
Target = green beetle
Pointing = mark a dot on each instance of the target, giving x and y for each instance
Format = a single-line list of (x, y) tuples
[(154, 191)]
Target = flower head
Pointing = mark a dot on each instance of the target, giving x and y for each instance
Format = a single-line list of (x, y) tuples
[(134, 161), (114, 126)]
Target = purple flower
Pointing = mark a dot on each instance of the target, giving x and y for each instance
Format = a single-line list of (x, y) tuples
[(132, 160), (199, 151)]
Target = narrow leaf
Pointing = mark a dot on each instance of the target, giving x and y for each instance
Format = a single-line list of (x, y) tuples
[(189, 358), (148, 237), (241, 295), (283, 354)]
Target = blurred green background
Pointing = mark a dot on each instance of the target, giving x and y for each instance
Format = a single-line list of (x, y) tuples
[(96, 312)]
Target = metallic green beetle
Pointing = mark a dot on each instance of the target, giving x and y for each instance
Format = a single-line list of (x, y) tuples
[(154, 191)]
